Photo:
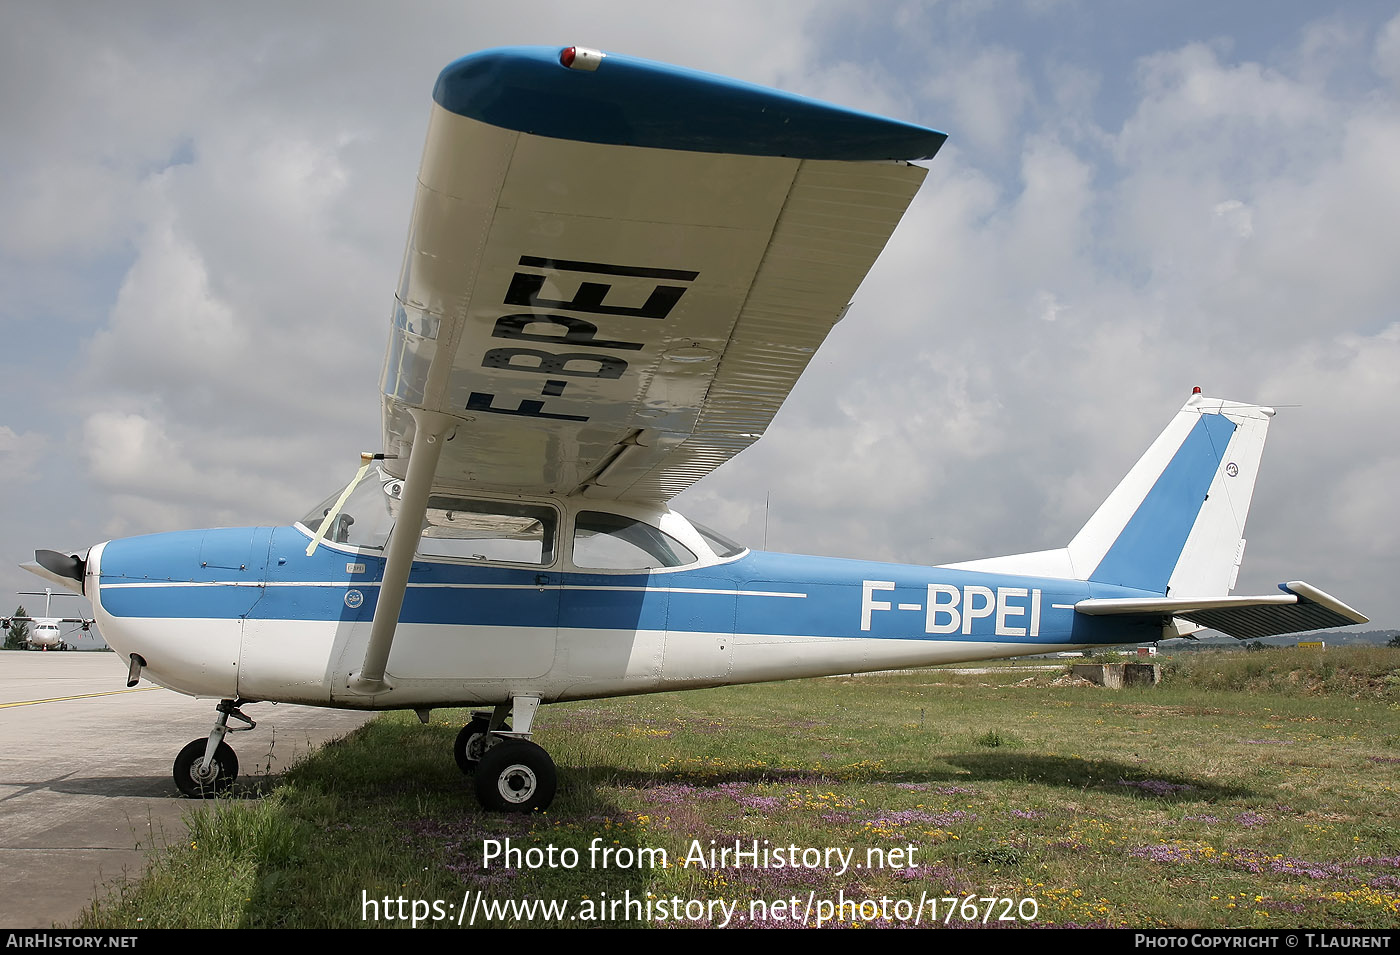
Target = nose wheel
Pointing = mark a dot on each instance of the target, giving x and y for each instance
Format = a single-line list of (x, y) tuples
[(207, 767), (198, 782)]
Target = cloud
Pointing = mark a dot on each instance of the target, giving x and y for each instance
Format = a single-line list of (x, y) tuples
[(164, 474), (1387, 51), (986, 94), (20, 454)]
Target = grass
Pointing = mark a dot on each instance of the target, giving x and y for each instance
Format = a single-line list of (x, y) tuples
[(1250, 790)]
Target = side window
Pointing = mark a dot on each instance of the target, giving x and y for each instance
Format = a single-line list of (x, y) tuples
[(720, 544), (611, 542), (489, 530)]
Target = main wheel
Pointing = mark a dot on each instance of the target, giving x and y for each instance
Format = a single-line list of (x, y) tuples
[(515, 776), (471, 744), (219, 779)]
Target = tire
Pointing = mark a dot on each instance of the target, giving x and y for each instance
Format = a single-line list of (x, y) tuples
[(471, 745), (515, 776), (222, 772)]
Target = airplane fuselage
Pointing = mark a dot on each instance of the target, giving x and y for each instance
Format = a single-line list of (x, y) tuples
[(244, 613), (45, 635)]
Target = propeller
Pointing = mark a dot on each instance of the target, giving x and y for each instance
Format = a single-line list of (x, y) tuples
[(67, 566)]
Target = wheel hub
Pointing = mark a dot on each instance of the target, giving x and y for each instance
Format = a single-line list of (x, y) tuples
[(517, 783)]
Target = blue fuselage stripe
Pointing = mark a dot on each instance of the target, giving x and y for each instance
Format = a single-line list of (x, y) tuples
[(269, 577)]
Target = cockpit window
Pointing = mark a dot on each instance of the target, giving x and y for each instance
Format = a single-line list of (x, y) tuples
[(721, 545), (367, 515), (612, 542), (515, 533)]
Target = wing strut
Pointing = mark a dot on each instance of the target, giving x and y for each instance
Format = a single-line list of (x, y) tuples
[(403, 544)]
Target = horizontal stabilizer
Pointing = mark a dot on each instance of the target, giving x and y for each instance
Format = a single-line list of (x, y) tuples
[(1301, 607)]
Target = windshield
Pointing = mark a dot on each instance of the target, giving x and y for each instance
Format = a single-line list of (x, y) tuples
[(368, 514)]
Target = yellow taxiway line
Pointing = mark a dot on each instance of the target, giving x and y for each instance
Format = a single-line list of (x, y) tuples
[(80, 696)]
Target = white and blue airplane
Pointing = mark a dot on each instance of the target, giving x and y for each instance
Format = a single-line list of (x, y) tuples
[(616, 272)]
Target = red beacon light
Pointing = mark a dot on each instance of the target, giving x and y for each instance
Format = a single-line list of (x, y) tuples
[(1196, 390), (581, 58)]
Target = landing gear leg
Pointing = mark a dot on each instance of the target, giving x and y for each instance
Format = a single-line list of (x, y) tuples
[(207, 767), (514, 774)]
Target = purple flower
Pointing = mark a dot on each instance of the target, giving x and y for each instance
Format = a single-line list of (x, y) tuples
[(759, 802), (1162, 853), (1392, 862), (674, 794), (1255, 862)]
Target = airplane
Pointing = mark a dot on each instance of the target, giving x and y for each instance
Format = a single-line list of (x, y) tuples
[(616, 271), (47, 632)]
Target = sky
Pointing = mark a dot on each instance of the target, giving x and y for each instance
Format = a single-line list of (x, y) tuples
[(203, 209)]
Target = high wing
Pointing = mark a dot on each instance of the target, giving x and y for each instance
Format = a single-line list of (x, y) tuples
[(617, 271)]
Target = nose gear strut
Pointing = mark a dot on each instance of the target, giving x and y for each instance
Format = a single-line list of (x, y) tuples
[(207, 767)]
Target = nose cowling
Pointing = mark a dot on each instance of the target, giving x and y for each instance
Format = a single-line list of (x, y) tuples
[(178, 600)]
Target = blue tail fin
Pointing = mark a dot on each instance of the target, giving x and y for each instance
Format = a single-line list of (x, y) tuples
[(1175, 524)]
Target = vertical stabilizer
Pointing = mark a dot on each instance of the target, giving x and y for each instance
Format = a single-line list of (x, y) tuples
[(1175, 524)]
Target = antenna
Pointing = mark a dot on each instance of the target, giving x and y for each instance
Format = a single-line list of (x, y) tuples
[(766, 496)]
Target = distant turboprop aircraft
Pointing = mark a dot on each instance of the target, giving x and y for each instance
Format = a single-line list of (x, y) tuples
[(616, 272), (47, 632)]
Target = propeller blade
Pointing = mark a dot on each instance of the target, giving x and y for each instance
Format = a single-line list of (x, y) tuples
[(69, 566)]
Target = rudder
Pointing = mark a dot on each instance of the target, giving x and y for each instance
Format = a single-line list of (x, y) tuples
[(1175, 523)]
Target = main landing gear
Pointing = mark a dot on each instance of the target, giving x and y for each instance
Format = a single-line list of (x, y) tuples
[(509, 773), (207, 767)]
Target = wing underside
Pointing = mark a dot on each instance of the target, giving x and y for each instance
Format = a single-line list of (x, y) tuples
[(617, 320)]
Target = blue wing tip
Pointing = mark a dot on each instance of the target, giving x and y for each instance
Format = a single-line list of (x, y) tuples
[(636, 102)]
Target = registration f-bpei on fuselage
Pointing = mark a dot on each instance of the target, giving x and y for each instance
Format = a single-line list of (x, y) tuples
[(616, 272), (953, 609)]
